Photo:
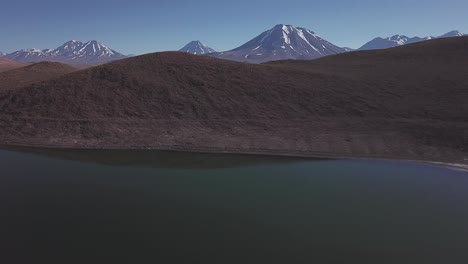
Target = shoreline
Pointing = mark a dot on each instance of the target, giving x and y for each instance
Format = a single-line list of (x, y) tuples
[(273, 153)]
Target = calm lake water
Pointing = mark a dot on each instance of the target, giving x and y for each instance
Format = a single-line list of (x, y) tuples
[(165, 207)]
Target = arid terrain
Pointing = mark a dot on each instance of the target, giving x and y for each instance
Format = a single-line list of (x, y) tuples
[(33, 73), (6, 64), (407, 102)]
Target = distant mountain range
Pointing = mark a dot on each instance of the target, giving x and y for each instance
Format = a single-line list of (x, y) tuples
[(72, 51), (399, 40), (280, 43), (197, 48)]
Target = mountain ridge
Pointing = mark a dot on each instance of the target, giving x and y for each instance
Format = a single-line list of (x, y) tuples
[(399, 40), (72, 51)]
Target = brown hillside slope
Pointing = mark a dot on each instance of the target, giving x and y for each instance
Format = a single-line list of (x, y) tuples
[(37, 72), (407, 102), (6, 64), (425, 80)]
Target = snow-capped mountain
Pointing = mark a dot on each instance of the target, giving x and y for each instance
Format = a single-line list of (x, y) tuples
[(95, 51), (27, 55), (71, 51), (399, 40), (280, 43), (197, 48), (2, 54), (68, 49), (452, 34)]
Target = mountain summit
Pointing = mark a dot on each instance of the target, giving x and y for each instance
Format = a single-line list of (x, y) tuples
[(72, 51), (197, 48), (282, 42), (399, 40)]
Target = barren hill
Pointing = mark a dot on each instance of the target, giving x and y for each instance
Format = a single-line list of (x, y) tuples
[(6, 64), (37, 72), (406, 102)]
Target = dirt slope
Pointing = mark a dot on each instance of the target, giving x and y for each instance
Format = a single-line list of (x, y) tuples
[(6, 64), (37, 72)]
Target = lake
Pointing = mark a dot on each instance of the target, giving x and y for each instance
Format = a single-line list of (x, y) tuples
[(83, 206)]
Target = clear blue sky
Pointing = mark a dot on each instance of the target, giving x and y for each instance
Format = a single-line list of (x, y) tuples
[(137, 27)]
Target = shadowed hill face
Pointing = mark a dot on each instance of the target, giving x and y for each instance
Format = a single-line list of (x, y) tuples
[(6, 64), (178, 86), (449, 50), (421, 80), (409, 99), (37, 72)]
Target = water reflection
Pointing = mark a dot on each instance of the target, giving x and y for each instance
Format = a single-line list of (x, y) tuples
[(160, 159)]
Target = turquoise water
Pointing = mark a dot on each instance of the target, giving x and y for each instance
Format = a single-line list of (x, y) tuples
[(165, 207)]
